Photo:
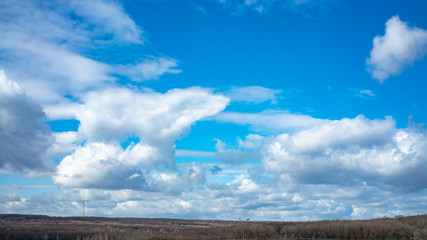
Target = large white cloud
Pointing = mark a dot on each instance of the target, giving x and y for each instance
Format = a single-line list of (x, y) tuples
[(351, 151), (153, 116), (111, 116), (399, 48), (24, 135)]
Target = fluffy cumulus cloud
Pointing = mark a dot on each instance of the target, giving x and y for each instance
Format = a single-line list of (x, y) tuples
[(156, 119), (24, 135), (102, 166), (108, 166), (398, 48), (351, 151)]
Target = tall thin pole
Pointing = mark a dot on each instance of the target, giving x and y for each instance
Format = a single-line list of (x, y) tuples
[(83, 215), (244, 224), (244, 230)]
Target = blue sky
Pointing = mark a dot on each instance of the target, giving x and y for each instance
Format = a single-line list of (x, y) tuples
[(216, 109)]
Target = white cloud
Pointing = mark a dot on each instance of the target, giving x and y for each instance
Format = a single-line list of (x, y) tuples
[(307, 8), (398, 48), (350, 151), (243, 185), (103, 166), (63, 109), (259, 6), (45, 48), (24, 135), (154, 117), (39, 42), (252, 141), (364, 94), (311, 9), (151, 68), (109, 166), (158, 120), (270, 121), (65, 143), (110, 17), (253, 94)]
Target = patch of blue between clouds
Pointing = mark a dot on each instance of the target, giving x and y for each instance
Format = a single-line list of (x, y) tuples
[(64, 125), (129, 141)]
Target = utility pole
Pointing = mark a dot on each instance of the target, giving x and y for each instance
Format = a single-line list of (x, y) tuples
[(57, 226), (244, 223), (83, 238)]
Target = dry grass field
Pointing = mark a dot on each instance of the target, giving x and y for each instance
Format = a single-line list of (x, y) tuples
[(14, 226)]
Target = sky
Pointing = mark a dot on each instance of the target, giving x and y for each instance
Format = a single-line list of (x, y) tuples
[(287, 110)]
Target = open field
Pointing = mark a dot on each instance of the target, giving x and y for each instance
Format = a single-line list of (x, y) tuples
[(14, 226)]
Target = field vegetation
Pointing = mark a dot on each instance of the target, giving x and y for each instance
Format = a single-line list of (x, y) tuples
[(14, 226)]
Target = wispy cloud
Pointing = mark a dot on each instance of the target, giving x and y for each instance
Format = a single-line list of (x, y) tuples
[(307, 8), (193, 153), (149, 69), (253, 94), (109, 17), (364, 94), (270, 121), (311, 9), (45, 44)]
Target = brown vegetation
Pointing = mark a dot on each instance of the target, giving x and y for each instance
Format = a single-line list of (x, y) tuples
[(13, 226)]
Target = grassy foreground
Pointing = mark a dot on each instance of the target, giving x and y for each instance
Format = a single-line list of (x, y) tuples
[(15, 226)]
